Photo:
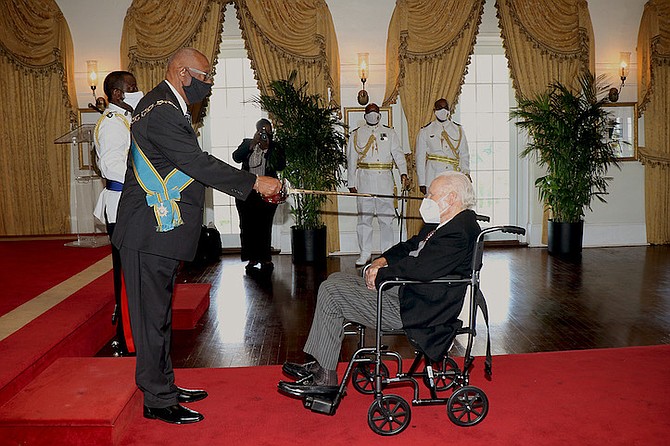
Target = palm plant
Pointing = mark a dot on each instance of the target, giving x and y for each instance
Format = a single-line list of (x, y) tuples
[(313, 139), (568, 130)]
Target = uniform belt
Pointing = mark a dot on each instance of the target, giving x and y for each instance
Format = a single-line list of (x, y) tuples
[(116, 186), (443, 159), (375, 166)]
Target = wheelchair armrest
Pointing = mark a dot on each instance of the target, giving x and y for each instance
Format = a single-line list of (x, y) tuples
[(451, 279)]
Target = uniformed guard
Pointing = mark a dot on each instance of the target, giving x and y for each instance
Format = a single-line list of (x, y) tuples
[(112, 141), (441, 146), (371, 153)]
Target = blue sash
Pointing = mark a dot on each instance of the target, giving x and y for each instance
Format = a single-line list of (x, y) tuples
[(162, 194)]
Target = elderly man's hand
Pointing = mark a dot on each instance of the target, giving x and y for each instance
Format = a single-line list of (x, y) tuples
[(370, 276), (267, 186), (371, 272)]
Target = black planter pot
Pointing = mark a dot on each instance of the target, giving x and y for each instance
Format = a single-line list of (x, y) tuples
[(565, 239), (308, 245)]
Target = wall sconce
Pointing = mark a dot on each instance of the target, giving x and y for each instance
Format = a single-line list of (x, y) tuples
[(624, 69), (363, 71), (92, 70)]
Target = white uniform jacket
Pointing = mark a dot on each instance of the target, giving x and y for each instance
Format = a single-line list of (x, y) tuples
[(112, 141), (441, 146), (371, 152)]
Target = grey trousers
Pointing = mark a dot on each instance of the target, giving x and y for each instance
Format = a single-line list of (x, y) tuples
[(344, 297)]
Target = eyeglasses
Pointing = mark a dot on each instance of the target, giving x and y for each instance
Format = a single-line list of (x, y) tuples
[(208, 76)]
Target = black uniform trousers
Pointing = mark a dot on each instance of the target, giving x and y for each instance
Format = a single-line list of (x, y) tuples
[(149, 283), (118, 309), (256, 217)]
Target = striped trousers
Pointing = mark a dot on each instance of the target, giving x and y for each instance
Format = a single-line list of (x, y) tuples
[(344, 297)]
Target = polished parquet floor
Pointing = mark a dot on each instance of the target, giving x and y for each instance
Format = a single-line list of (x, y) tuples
[(611, 297)]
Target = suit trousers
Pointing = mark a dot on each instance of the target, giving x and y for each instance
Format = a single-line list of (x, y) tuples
[(341, 298), (367, 209), (256, 216), (149, 284)]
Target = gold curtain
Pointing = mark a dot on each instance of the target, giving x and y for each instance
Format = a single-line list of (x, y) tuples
[(428, 49), (286, 35), (545, 41), (37, 81), (153, 30), (653, 51)]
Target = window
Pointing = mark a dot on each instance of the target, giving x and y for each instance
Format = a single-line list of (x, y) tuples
[(231, 117), (483, 111)]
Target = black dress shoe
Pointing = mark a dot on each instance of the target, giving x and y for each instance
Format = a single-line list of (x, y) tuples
[(306, 389), (299, 371), (176, 414), (190, 396), (267, 267)]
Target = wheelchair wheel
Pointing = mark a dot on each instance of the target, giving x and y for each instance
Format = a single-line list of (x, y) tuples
[(363, 377), (389, 415), (467, 406), (445, 374)]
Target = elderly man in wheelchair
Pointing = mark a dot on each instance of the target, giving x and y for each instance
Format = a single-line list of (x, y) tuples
[(428, 313)]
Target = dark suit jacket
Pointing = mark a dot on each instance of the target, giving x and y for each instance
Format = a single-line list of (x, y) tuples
[(168, 140), (275, 158), (430, 312)]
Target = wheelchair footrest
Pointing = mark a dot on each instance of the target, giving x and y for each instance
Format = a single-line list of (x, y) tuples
[(320, 404)]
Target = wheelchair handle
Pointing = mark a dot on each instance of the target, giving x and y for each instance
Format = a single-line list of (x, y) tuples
[(481, 217), (513, 230)]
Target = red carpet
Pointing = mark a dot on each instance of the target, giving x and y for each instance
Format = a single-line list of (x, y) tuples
[(596, 397), (78, 326), (19, 261)]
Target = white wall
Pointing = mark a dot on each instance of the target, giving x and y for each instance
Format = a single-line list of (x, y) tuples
[(96, 27)]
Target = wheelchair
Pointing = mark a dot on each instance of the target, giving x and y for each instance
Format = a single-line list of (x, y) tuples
[(390, 414)]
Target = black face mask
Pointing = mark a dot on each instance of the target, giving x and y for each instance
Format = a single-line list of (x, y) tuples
[(197, 91)]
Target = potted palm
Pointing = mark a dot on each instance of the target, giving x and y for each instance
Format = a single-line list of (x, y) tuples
[(568, 136), (313, 138)]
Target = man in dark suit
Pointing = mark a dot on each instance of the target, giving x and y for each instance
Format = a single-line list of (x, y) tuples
[(261, 155), (427, 312), (159, 221)]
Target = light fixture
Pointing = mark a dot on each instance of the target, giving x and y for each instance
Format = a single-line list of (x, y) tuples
[(363, 71), (624, 69), (92, 70)]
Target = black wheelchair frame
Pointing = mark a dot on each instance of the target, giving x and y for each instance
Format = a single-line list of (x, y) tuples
[(391, 414)]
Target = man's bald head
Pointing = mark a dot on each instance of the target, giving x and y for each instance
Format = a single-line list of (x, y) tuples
[(183, 66)]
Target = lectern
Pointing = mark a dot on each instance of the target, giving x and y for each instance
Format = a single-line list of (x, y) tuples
[(81, 141)]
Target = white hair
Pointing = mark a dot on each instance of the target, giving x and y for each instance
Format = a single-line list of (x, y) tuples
[(461, 186)]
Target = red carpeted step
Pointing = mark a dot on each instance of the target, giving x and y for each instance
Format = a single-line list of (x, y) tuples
[(78, 326), (76, 401), (189, 303)]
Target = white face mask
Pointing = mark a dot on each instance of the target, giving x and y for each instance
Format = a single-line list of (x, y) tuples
[(442, 114), (430, 211), (133, 98), (372, 118)]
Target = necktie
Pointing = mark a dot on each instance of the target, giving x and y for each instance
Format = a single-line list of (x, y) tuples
[(188, 117)]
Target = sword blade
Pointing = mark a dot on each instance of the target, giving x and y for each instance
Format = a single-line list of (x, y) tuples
[(349, 194)]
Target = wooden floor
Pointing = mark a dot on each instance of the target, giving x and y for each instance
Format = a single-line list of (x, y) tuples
[(613, 297)]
